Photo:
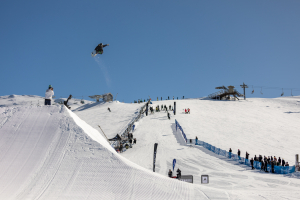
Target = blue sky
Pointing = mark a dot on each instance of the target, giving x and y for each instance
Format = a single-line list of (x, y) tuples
[(157, 48)]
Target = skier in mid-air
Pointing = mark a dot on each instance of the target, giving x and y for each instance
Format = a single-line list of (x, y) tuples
[(99, 49)]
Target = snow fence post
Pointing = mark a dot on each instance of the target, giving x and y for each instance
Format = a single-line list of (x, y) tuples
[(297, 164)]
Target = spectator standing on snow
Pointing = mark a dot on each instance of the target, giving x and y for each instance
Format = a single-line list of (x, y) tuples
[(255, 158), (48, 95), (247, 155), (279, 161), (196, 140), (170, 173), (272, 166), (239, 153), (283, 162), (230, 152), (251, 162), (287, 164), (121, 148), (185, 111), (134, 141), (178, 173), (262, 165), (169, 115), (266, 164), (108, 109)]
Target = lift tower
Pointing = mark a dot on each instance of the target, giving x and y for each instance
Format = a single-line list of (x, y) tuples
[(244, 87)]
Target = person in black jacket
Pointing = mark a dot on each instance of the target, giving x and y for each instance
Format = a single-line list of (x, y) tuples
[(262, 165), (121, 148), (239, 153), (279, 162), (251, 161), (247, 155), (99, 48), (229, 153), (178, 173), (170, 173), (283, 162), (265, 164), (272, 166)]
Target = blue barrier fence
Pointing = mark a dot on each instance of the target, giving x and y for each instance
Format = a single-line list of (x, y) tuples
[(182, 132), (235, 157)]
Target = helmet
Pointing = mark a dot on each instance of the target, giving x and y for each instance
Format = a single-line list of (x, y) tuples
[(100, 44)]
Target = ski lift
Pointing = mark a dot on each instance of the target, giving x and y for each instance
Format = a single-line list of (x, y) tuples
[(261, 91), (252, 90), (282, 92)]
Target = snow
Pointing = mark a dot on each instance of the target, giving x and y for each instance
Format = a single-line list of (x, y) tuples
[(50, 152)]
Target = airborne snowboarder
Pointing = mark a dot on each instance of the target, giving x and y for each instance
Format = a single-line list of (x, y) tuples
[(99, 49)]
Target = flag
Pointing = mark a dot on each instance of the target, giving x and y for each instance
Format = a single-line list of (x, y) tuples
[(174, 163)]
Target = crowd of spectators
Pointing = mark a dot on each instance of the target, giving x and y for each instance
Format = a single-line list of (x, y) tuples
[(264, 161)]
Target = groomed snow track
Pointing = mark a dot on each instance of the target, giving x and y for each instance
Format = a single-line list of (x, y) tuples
[(49, 153)]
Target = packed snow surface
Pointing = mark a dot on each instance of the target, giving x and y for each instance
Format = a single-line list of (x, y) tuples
[(50, 152)]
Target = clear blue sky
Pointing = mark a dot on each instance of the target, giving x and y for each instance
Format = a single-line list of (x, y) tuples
[(157, 48)]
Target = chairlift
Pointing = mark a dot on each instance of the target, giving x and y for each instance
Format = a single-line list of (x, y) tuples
[(252, 90), (282, 92), (261, 91)]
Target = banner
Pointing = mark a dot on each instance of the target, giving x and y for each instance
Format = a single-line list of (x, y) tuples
[(174, 163), (154, 156)]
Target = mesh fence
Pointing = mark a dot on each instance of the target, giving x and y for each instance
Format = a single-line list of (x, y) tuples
[(235, 157)]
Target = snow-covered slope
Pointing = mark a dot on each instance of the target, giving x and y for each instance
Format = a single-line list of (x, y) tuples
[(49, 153), (259, 126), (112, 123)]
